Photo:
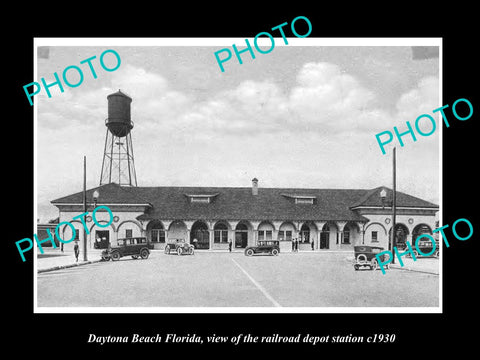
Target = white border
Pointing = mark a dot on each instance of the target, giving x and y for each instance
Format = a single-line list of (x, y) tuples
[(240, 42)]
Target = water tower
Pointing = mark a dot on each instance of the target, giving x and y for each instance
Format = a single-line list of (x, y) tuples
[(118, 165)]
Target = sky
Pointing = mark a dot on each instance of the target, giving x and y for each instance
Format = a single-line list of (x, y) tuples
[(304, 115)]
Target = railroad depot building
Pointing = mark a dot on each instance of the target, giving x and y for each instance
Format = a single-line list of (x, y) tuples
[(328, 219)]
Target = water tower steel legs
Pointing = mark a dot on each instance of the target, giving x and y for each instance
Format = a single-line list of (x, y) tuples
[(118, 155)]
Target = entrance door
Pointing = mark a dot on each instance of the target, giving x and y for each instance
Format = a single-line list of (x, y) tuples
[(324, 240), (241, 239), (201, 234), (102, 238)]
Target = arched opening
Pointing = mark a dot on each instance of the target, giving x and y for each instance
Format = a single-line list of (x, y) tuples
[(156, 233), (200, 236), (177, 230), (325, 237), (419, 230), (220, 233), (304, 236), (286, 231), (351, 233), (241, 235), (265, 231), (401, 233)]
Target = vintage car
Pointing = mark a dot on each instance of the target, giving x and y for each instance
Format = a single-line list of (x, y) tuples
[(179, 246), (271, 247), (134, 247), (424, 247), (365, 257)]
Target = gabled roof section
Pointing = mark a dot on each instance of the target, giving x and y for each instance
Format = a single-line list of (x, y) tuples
[(372, 198), (109, 194)]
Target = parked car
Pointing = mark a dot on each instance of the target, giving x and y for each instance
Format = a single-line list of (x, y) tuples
[(425, 247), (271, 247), (134, 247), (179, 246), (365, 257)]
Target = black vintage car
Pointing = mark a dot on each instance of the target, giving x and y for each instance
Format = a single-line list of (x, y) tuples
[(365, 257), (134, 247), (271, 247)]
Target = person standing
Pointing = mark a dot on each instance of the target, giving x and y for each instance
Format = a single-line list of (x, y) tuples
[(293, 245), (76, 250), (313, 245), (230, 245)]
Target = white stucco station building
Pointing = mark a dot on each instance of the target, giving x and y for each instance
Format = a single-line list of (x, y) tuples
[(331, 219)]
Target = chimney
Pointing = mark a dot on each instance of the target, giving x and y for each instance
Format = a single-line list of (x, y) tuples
[(254, 186)]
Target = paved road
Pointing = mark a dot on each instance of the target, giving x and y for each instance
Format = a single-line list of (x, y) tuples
[(233, 280)]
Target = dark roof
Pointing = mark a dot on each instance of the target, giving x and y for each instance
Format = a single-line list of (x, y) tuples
[(109, 194), (172, 202), (372, 198)]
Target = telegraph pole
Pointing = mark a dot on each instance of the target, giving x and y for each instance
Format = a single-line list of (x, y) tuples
[(85, 258), (394, 206)]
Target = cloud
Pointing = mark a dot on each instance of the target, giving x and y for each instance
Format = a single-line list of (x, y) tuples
[(323, 100), (420, 100)]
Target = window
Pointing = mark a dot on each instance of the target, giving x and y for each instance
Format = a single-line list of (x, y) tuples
[(128, 233), (374, 236), (220, 233), (200, 199), (305, 233), (158, 235), (265, 235), (346, 236), (285, 235), (304, 201)]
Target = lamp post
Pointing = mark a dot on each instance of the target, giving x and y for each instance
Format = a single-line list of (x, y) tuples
[(95, 196)]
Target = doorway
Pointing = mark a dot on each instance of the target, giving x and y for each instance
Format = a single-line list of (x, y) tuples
[(102, 239), (201, 234), (324, 240)]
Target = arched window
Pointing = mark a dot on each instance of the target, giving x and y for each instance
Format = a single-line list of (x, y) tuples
[(305, 233), (265, 231), (157, 233), (220, 233)]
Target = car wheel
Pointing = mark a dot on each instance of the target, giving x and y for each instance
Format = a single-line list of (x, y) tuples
[(437, 254), (274, 252), (144, 254), (191, 251), (361, 259), (374, 263), (105, 257), (249, 252), (115, 256), (415, 252), (166, 250), (135, 257), (179, 251)]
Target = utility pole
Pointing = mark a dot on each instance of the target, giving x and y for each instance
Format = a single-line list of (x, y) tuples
[(394, 206), (85, 258)]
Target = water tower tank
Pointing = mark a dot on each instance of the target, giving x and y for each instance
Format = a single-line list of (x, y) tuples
[(118, 121)]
